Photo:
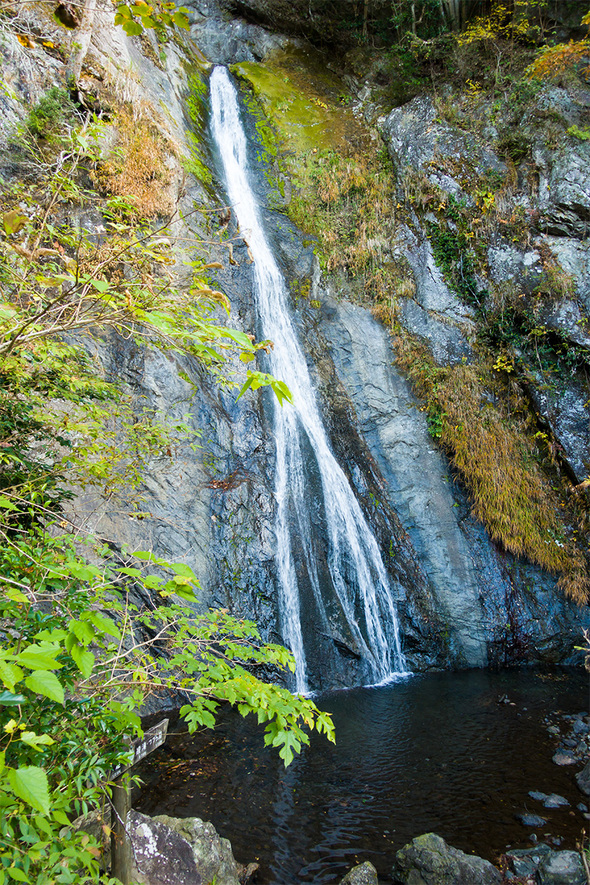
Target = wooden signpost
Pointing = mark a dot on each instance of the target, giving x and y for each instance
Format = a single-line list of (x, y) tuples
[(121, 796)]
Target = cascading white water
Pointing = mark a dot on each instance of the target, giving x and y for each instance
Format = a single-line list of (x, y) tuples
[(356, 568)]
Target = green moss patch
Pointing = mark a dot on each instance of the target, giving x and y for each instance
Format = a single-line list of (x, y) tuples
[(304, 111)]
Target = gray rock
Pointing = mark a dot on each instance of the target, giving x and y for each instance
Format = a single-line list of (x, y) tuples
[(574, 258), (583, 779), (565, 410), (525, 861), (434, 312), (416, 474), (554, 800), (428, 860), (212, 855), (415, 137), (508, 263), (531, 820), (160, 855), (564, 192), (468, 582), (535, 794), (564, 757), (562, 868), (363, 874)]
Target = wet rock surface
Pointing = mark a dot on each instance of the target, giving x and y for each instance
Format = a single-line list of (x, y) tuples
[(545, 866), (363, 874), (428, 860)]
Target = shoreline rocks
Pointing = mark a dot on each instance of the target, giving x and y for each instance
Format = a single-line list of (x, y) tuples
[(428, 860)]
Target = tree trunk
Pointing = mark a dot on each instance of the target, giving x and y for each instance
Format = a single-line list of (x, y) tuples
[(82, 44)]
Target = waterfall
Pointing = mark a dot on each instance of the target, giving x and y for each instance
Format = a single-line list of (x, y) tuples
[(310, 486)]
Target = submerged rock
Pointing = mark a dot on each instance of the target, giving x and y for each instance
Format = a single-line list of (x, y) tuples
[(555, 801), (531, 820), (428, 860)]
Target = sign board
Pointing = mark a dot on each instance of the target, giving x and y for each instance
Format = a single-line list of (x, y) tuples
[(142, 747)]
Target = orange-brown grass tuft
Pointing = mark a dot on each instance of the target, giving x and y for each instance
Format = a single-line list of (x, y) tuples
[(137, 169), (497, 460)]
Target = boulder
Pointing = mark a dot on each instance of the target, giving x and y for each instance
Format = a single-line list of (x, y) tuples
[(213, 855), (363, 874), (160, 856), (562, 868), (525, 861), (169, 851), (564, 192), (428, 860)]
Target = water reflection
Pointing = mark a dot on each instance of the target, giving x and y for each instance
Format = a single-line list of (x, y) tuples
[(452, 753)]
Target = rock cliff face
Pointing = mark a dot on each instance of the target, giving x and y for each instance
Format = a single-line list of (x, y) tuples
[(463, 601)]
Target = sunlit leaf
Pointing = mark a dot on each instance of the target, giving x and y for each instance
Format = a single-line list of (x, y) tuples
[(29, 783)]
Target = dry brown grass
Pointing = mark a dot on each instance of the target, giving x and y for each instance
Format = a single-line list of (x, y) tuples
[(137, 166), (496, 457)]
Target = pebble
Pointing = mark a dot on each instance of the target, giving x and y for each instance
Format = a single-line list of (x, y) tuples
[(536, 794), (555, 801), (564, 757), (531, 820), (582, 807)]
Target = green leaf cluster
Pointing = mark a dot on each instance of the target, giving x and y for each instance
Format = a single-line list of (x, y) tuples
[(79, 651), (140, 16)]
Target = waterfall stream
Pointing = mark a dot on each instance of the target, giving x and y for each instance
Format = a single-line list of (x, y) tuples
[(311, 488)]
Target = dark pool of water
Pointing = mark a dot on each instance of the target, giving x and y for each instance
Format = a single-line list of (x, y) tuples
[(453, 753)]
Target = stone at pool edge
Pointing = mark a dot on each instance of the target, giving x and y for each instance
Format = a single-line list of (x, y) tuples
[(583, 779), (428, 860), (531, 820), (547, 867), (564, 757), (562, 868), (363, 874)]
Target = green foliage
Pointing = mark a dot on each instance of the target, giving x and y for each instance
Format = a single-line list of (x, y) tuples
[(582, 134), (453, 255), (78, 652), (46, 119), (73, 677), (140, 16)]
